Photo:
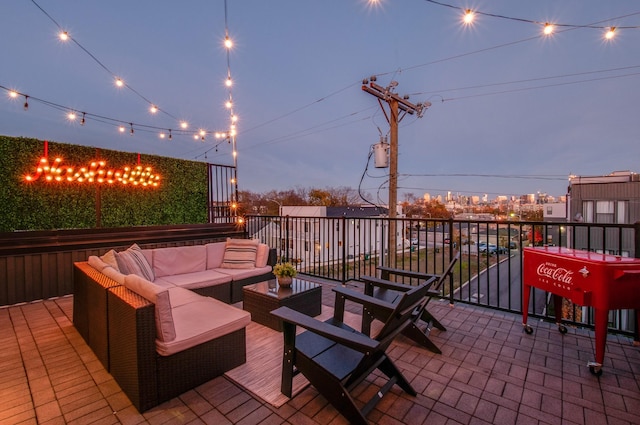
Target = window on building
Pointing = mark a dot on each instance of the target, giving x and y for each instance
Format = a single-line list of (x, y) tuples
[(587, 211), (549, 210), (605, 212), (622, 216)]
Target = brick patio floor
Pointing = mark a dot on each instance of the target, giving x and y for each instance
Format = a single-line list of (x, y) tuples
[(490, 372)]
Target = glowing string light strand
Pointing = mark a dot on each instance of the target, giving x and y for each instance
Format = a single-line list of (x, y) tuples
[(65, 36), (469, 15), (100, 118)]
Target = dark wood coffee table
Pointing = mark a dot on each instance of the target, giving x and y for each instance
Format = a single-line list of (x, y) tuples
[(262, 298)]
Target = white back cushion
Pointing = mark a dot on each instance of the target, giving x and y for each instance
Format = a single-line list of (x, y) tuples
[(165, 329), (179, 260)]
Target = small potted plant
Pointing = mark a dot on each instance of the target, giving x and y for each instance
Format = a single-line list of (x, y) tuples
[(284, 272)]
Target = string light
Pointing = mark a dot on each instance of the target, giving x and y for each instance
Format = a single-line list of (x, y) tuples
[(548, 29), (468, 17), (26, 102), (611, 32), (13, 94), (170, 136), (119, 82)]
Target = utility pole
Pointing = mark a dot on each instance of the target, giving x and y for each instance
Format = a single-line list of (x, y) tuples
[(396, 104)]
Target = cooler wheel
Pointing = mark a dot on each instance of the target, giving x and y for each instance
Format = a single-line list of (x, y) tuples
[(562, 329), (528, 329), (595, 368)]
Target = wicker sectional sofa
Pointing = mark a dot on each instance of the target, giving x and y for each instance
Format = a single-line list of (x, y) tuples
[(161, 337)]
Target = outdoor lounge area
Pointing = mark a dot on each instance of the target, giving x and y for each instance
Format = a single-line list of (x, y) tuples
[(490, 371)]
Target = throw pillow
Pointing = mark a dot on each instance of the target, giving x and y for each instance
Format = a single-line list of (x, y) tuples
[(110, 259), (262, 255), (133, 261), (240, 254)]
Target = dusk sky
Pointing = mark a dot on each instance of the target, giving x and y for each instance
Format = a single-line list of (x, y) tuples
[(513, 111)]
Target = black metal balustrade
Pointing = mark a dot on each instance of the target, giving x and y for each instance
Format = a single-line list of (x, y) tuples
[(489, 273)]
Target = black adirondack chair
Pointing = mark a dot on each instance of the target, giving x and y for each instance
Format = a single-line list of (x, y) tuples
[(384, 289), (335, 358)]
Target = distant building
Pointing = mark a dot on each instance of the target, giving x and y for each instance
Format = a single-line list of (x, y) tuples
[(319, 234), (611, 199), (556, 212)]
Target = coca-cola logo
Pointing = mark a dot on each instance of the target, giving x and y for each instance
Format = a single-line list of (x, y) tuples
[(552, 271)]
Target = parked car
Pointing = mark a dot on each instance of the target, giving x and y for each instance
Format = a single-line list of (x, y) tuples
[(414, 241), (489, 249)]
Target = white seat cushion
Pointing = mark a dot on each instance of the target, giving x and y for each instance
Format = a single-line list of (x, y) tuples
[(200, 320), (195, 280), (238, 274)]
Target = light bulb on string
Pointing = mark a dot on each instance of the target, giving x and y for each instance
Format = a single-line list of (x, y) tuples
[(228, 43), (131, 124), (64, 36), (153, 109), (162, 135), (119, 82), (82, 121), (13, 94), (468, 17), (228, 82), (71, 116), (26, 102), (611, 32), (228, 104), (170, 136), (548, 29), (121, 129), (184, 124)]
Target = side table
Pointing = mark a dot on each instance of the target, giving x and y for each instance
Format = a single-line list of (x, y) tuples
[(262, 298)]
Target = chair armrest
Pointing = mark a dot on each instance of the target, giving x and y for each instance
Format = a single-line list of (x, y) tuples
[(364, 300), (354, 340), (386, 271), (387, 284)]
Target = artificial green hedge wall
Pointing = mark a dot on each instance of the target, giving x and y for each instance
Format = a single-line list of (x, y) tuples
[(180, 198)]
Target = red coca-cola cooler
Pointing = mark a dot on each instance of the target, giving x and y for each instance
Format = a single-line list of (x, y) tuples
[(604, 282)]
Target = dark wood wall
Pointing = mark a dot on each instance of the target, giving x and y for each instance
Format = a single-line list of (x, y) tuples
[(39, 265)]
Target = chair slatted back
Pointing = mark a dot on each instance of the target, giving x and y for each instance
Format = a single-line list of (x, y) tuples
[(405, 307)]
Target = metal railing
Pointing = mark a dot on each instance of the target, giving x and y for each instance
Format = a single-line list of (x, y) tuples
[(488, 274)]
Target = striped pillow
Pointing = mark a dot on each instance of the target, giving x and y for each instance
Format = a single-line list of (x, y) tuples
[(240, 254), (133, 261)]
